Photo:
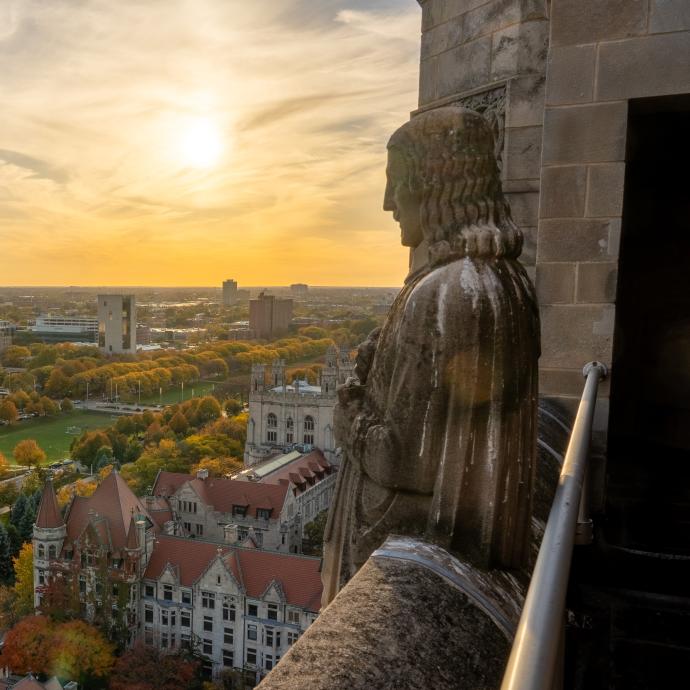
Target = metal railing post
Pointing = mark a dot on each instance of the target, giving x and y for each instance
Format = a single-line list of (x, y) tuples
[(535, 651)]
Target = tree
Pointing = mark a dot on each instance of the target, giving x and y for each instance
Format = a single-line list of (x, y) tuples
[(179, 423), (24, 579), (146, 668), (8, 600), (313, 531), (28, 453), (6, 571), (219, 467), (18, 509), (50, 407), (28, 646), (207, 410), (80, 652), (14, 356), (66, 405), (4, 465), (8, 411)]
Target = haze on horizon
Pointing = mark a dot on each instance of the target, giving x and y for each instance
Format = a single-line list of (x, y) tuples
[(182, 142)]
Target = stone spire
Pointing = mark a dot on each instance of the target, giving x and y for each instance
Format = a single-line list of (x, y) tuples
[(132, 543), (49, 515)]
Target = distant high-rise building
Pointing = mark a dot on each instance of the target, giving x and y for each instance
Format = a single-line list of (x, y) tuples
[(117, 324), (269, 316), (6, 331), (229, 292), (299, 289)]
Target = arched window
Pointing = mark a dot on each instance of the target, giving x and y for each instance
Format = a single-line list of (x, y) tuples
[(52, 551), (308, 430), (41, 551), (289, 430), (272, 424)]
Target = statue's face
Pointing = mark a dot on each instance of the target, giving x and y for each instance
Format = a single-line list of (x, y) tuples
[(401, 200)]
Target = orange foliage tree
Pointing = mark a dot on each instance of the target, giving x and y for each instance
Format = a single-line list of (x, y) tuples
[(146, 668)]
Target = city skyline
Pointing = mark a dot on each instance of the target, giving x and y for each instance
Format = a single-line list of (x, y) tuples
[(174, 143)]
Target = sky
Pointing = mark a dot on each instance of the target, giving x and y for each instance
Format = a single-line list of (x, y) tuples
[(183, 142)]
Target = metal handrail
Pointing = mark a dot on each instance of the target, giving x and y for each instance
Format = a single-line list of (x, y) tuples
[(535, 653)]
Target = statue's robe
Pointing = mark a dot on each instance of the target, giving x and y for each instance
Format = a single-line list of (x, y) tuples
[(440, 440)]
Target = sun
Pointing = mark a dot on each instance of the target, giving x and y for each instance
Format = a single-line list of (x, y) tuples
[(201, 143)]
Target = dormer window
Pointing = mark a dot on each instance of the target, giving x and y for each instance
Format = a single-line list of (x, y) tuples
[(263, 513), (239, 511)]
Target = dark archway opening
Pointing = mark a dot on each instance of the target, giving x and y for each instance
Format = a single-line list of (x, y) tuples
[(648, 495)]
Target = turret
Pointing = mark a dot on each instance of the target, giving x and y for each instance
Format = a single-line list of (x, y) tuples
[(329, 380), (257, 379), (278, 373), (331, 357), (48, 536), (346, 367)]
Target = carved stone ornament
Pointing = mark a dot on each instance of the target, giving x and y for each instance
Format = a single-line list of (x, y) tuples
[(438, 429)]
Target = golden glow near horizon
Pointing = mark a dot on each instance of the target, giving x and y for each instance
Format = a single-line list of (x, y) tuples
[(181, 142)]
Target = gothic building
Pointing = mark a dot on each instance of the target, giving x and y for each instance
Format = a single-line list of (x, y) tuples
[(285, 415), (113, 559)]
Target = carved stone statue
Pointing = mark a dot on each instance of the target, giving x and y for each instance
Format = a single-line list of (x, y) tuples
[(438, 430)]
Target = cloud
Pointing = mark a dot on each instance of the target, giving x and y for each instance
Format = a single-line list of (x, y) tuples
[(305, 95)]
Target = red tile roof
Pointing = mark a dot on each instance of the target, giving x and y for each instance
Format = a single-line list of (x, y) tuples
[(109, 508), (307, 469), (298, 576), (48, 511), (222, 494)]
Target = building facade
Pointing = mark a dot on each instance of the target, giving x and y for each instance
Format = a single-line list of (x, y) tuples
[(229, 292), (6, 333), (284, 415), (240, 608), (54, 329), (117, 324), (269, 316)]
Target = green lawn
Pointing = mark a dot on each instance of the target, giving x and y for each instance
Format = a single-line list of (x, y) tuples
[(174, 395), (51, 432)]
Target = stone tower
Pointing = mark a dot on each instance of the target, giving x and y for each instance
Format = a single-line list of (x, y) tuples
[(258, 378), (48, 536), (278, 373)]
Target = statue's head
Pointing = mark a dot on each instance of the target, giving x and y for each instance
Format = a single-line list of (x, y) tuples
[(443, 186)]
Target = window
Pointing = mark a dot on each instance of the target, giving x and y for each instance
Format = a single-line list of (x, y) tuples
[(228, 636), (252, 632), (41, 551), (149, 590), (259, 538), (51, 551), (82, 584), (293, 616), (164, 617), (173, 618), (292, 638), (269, 637), (208, 624), (207, 647), (271, 421), (185, 640), (164, 640), (272, 612), (185, 619), (208, 600), (289, 430), (308, 430), (199, 530), (187, 526), (263, 513), (239, 511), (41, 578), (272, 436), (251, 655), (228, 612), (252, 610), (268, 661), (227, 657), (167, 592), (186, 596), (289, 424)]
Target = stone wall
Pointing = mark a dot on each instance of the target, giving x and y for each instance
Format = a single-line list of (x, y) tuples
[(601, 55), (491, 56)]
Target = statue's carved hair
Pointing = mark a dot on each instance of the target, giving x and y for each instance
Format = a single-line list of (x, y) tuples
[(451, 165)]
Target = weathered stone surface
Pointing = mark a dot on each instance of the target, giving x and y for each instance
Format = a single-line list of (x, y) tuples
[(605, 189), (669, 15), (490, 17), (526, 101), (399, 625), (568, 239), (574, 335), (585, 133), (529, 248), (570, 74), (436, 12), (596, 283), (563, 190), (428, 80), (523, 152), (441, 38), (556, 283), (441, 420), (589, 21), (524, 207), (520, 49), (465, 67), (643, 67)]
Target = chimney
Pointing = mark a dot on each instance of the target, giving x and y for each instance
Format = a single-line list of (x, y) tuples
[(202, 474)]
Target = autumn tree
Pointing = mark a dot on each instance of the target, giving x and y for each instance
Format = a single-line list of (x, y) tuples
[(218, 467), (8, 412), (147, 668), (24, 579), (179, 423), (66, 405), (28, 645), (28, 453), (80, 652), (85, 449), (50, 407), (14, 356), (4, 465)]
